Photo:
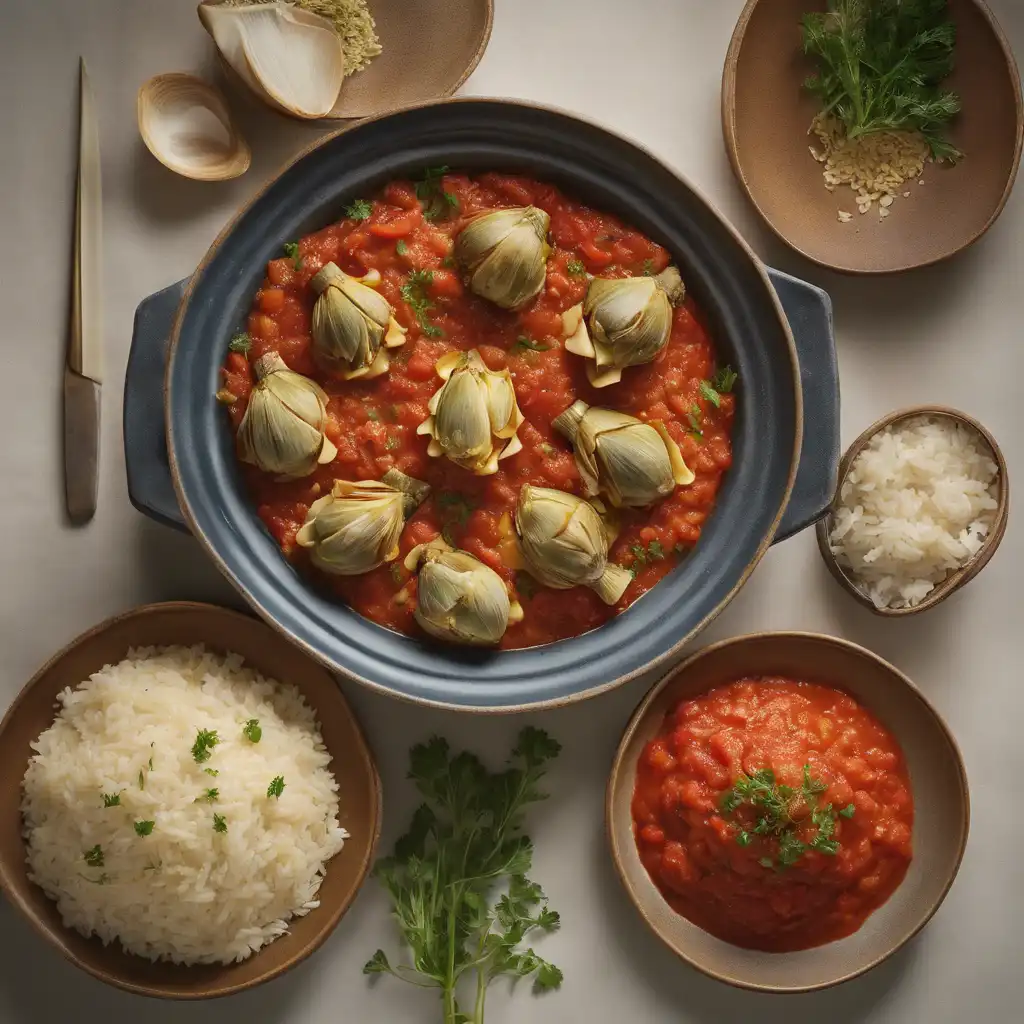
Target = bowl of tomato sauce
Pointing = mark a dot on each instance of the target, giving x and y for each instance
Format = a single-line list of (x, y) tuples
[(786, 810)]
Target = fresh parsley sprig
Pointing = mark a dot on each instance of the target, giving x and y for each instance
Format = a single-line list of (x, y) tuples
[(359, 209), (291, 250), (465, 842), (881, 65), (202, 749)]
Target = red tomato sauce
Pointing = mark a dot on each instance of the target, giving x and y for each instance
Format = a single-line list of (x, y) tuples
[(688, 839), (373, 423)]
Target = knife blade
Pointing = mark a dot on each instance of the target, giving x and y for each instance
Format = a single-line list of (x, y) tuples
[(83, 374)]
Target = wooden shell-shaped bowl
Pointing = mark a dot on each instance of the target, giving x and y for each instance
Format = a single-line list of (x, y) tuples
[(959, 577), (429, 49), (351, 763), (766, 113), (938, 781)]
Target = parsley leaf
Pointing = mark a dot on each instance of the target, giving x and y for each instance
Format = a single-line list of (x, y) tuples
[(252, 731), (360, 209), (240, 343), (400, 247), (848, 811), (437, 203), (696, 420), (211, 771), (723, 380), (111, 799), (648, 268), (710, 394), (94, 857), (415, 292), (276, 787), (577, 268), (206, 740), (523, 344), (144, 828), (219, 824), (209, 795), (458, 878), (291, 250)]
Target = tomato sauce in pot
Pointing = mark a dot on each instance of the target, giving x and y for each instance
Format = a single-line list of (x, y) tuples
[(775, 814), (373, 423)]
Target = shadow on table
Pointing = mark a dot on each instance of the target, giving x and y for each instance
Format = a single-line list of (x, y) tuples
[(707, 1001), (37, 986)]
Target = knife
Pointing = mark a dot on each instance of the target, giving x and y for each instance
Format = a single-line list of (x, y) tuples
[(83, 373)]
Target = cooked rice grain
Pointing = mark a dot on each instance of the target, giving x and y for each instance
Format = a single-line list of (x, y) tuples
[(185, 892)]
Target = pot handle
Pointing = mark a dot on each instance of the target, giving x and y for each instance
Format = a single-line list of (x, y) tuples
[(145, 442), (809, 311)]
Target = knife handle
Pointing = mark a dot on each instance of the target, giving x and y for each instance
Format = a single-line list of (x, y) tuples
[(81, 445)]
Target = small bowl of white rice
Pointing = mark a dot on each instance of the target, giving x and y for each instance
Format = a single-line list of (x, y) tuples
[(188, 806), (920, 508)]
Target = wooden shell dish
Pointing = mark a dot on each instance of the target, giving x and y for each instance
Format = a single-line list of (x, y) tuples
[(766, 113), (959, 577), (187, 624)]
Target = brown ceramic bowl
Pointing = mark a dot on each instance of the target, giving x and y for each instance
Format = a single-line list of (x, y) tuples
[(430, 48), (352, 765), (766, 113), (942, 809), (960, 577)]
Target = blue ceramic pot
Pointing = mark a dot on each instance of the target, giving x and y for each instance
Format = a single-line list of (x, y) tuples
[(776, 331)]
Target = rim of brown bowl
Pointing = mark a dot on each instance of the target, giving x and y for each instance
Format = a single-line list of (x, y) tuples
[(621, 839), (729, 131), (959, 577), (175, 622), (475, 49)]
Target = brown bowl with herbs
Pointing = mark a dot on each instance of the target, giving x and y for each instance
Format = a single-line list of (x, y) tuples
[(924, 185)]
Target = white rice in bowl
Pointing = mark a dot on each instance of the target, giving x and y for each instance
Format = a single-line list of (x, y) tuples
[(178, 858), (916, 505)]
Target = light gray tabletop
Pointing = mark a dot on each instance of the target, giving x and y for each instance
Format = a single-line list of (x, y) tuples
[(648, 68)]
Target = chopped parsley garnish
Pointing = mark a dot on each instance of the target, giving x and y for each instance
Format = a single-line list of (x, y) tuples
[(415, 292), (144, 828), (142, 780), (696, 420), (392, 443), (360, 209), (209, 795), (111, 799), (206, 740), (648, 268), (291, 250), (219, 824), (524, 344), (437, 203), (643, 556), (781, 813), (252, 731), (373, 416), (710, 394), (240, 343), (211, 771), (576, 267), (724, 379), (276, 787), (400, 247), (94, 857)]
